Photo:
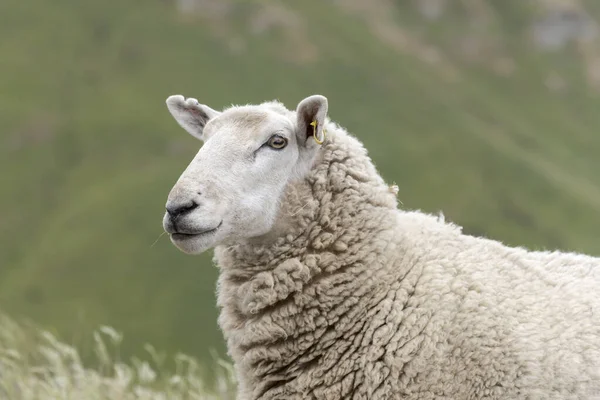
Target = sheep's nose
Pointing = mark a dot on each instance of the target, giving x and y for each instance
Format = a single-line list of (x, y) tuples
[(176, 209)]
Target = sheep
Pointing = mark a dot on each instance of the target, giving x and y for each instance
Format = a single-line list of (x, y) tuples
[(327, 290)]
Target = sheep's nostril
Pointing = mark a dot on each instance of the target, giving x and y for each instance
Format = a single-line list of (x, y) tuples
[(175, 210)]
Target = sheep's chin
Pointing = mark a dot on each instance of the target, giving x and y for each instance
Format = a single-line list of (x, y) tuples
[(194, 244)]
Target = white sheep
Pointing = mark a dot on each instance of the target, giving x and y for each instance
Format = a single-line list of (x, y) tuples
[(328, 291)]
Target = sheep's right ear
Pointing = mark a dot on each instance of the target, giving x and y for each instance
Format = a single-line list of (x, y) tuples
[(191, 115)]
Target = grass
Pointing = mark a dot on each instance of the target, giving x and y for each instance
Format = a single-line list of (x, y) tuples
[(34, 365)]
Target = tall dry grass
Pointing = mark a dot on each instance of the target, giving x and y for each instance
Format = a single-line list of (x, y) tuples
[(34, 365)]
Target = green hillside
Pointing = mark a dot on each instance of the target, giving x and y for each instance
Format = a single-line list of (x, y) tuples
[(463, 112)]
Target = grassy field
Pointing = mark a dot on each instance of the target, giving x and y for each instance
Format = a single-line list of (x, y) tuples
[(503, 138)]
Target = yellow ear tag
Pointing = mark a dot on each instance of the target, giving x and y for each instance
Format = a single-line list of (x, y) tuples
[(314, 125)]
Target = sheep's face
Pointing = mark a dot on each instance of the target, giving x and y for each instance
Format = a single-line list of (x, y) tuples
[(232, 189)]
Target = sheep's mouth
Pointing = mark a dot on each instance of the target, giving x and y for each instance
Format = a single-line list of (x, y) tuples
[(190, 235)]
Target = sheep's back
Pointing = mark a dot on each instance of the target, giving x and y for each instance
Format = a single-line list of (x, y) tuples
[(507, 321)]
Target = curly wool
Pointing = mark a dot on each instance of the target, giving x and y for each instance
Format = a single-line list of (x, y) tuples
[(351, 298)]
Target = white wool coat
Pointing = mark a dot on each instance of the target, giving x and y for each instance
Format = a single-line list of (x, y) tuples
[(356, 299)]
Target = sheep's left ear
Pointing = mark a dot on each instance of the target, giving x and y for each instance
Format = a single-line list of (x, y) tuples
[(191, 115), (310, 115)]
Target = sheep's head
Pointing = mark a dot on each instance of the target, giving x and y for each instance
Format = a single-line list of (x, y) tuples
[(231, 190)]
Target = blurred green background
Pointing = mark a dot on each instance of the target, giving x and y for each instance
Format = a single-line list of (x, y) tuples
[(485, 110)]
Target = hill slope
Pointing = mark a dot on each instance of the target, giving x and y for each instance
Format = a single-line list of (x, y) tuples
[(457, 105)]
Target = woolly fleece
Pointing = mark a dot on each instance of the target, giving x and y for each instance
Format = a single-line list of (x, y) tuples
[(360, 300)]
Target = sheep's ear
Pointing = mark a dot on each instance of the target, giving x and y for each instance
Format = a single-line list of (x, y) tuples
[(311, 114), (191, 115)]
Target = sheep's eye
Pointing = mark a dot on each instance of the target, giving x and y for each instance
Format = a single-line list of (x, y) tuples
[(277, 142)]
